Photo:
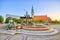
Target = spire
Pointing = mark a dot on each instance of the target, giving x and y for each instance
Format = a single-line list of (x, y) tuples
[(32, 12)]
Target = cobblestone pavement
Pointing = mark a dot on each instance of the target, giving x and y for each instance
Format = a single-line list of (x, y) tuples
[(29, 37), (32, 37), (5, 36)]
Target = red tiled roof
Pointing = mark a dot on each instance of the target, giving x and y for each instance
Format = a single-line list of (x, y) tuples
[(42, 17)]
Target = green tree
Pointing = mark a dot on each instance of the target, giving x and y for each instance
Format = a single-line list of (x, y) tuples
[(1, 19), (34, 21), (41, 21), (55, 22), (38, 21), (7, 19), (16, 20)]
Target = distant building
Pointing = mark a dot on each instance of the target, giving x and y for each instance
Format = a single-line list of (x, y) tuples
[(40, 17), (13, 16)]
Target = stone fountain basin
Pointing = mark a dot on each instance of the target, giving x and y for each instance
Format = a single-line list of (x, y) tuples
[(38, 28)]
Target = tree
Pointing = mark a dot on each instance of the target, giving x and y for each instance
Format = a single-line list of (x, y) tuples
[(1, 19), (16, 20), (7, 19), (55, 22), (38, 21)]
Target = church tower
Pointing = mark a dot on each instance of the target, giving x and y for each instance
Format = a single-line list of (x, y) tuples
[(32, 12)]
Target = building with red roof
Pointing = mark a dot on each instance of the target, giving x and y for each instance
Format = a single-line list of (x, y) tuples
[(42, 17)]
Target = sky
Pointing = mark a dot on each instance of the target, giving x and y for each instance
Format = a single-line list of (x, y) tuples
[(51, 8)]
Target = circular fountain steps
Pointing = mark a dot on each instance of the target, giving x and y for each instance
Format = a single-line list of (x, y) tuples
[(29, 32), (48, 32)]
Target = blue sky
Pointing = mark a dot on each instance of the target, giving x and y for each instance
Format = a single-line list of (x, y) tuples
[(50, 8)]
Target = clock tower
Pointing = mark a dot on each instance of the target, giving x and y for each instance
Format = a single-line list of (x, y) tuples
[(32, 12)]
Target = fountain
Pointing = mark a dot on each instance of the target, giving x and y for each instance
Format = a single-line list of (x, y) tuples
[(37, 29)]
